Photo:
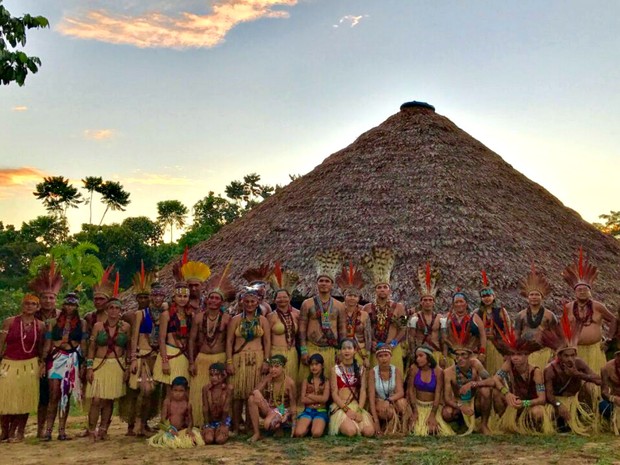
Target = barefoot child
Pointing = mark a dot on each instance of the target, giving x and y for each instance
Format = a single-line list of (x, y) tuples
[(217, 402), (314, 395), (177, 431), (274, 399)]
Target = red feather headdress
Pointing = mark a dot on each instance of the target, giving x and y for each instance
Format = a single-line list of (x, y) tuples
[(580, 272), (350, 279), (105, 286), (427, 280), (283, 280), (49, 279), (564, 337), (535, 281)]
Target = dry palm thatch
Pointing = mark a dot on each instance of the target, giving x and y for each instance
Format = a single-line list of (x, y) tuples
[(419, 185)]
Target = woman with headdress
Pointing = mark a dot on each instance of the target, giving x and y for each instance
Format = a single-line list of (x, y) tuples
[(354, 322), (106, 366), (494, 318), (386, 394), (248, 339), (21, 366), (315, 395), (425, 386), (65, 344), (348, 383)]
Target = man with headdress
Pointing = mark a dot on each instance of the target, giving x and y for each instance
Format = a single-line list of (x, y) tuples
[(354, 322), (591, 314), (459, 320), (519, 395), (207, 338), (46, 285), (530, 323), (610, 390), (424, 326), (388, 318), (319, 315), (462, 381), (495, 319)]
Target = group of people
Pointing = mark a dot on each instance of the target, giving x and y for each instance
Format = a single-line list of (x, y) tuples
[(210, 361)]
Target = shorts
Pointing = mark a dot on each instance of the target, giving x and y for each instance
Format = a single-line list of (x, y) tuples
[(313, 413)]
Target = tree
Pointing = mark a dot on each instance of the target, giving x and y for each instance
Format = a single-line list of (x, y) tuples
[(114, 197), (48, 230), (57, 195), (171, 213), (146, 229), (612, 224), (215, 211), (15, 65), (248, 193), (92, 184), (16, 254)]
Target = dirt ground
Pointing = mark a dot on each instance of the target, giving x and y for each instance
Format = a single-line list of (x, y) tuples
[(475, 449)]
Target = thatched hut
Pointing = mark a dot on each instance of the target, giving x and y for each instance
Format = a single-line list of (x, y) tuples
[(422, 186)]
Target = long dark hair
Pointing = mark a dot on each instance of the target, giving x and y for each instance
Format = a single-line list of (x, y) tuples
[(356, 367), (318, 358)]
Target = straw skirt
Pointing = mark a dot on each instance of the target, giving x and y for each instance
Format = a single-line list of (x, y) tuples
[(179, 366), (248, 365), (541, 357), (182, 440), (202, 378), (108, 380), (424, 410), (581, 417), (19, 386), (338, 416)]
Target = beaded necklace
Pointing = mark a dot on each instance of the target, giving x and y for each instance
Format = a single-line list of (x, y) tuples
[(427, 327), (274, 397), (353, 322), (210, 334), (386, 390), (289, 325), (460, 377), (249, 328), (534, 322), (326, 327), (23, 335), (381, 318), (587, 318)]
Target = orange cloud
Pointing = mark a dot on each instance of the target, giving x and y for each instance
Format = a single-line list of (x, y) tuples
[(99, 134), (20, 108), (17, 181), (187, 30)]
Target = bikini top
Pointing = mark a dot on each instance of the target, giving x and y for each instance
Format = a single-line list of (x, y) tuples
[(423, 386), (347, 380), (146, 325), (278, 329), (120, 339), (385, 388)]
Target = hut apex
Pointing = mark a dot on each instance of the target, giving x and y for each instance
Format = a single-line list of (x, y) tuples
[(423, 188)]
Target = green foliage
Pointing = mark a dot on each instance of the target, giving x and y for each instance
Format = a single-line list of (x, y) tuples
[(91, 185), (171, 213), (10, 302), (48, 230), (57, 195), (113, 196), (248, 193), (15, 64), (16, 254), (612, 224), (149, 232)]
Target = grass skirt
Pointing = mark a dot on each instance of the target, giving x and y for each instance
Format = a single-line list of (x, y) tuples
[(144, 371), (182, 440), (494, 360), (337, 416), (248, 365), (108, 380), (397, 358), (595, 358), (540, 358), (179, 366), (581, 417), (292, 362), (19, 386), (400, 422), (615, 421), (329, 356), (438, 356), (522, 422), (424, 412), (202, 378)]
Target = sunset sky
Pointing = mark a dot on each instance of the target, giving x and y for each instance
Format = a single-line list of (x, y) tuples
[(177, 98)]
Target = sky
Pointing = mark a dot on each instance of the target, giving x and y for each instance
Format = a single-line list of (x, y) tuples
[(177, 98)]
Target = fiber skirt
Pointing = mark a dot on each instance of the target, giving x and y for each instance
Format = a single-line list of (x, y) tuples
[(108, 380), (540, 358), (424, 410), (179, 365), (182, 440), (494, 360), (524, 422), (202, 378), (338, 416), (248, 365), (581, 418), (19, 385), (144, 373)]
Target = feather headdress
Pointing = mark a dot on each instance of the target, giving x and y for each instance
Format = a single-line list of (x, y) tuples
[(486, 285), (280, 279), (105, 287), (508, 344), (350, 279), (581, 272), (221, 284), (195, 272), (142, 281), (562, 338), (328, 264), (427, 280), (460, 339), (259, 274), (535, 282), (176, 268), (115, 291), (380, 264), (48, 280)]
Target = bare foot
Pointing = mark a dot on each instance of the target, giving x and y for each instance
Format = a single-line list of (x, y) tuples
[(256, 437), (93, 436), (130, 432), (484, 429)]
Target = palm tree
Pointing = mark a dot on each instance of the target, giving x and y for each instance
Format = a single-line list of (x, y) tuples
[(57, 195), (114, 197), (171, 213), (91, 184)]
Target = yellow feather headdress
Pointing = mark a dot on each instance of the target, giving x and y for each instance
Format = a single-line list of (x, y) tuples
[(328, 264), (380, 264)]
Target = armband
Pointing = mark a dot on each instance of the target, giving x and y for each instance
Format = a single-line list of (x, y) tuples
[(228, 421), (502, 374), (89, 363), (172, 429), (303, 350), (229, 361), (526, 403), (540, 387), (504, 390)]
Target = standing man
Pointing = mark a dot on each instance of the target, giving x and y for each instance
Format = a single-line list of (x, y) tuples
[(531, 322), (388, 319), (319, 316)]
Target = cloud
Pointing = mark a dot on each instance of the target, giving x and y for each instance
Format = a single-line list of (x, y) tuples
[(185, 30), (20, 108), (154, 179), (16, 182), (99, 134), (350, 19)]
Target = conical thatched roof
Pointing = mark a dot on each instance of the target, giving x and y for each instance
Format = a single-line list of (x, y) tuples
[(422, 186)]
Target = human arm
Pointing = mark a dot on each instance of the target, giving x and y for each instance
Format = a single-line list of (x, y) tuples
[(540, 395), (92, 346), (303, 330), (399, 390), (230, 340), (3, 334), (400, 319), (193, 335), (585, 373), (372, 400), (135, 335), (164, 318), (266, 342), (610, 318)]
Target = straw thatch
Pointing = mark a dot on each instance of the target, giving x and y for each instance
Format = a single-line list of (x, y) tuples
[(422, 186)]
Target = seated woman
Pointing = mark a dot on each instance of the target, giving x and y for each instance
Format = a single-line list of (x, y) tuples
[(177, 428), (348, 388), (217, 405), (387, 395), (314, 395), (274, 399), (425, 394)]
